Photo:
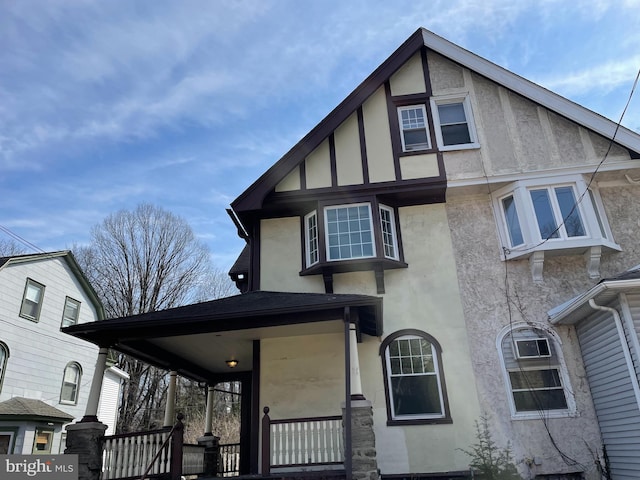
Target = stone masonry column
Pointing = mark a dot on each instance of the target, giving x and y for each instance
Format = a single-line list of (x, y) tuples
[(85, 440), (364, 464)]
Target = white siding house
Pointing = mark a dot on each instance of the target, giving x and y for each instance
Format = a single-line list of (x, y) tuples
[(45, 375)]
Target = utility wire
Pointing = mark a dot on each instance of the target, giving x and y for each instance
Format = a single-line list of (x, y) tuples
[(18, 238)]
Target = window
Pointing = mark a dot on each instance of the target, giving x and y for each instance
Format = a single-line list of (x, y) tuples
[(42, 441), (311, 232), (71, 383), (389, 242), (454, 122), (413, 128), (349, 232), (4, 357), (7, 439), (414, 379), (534, 372), (32, 300), (538, 216), (71, 312)]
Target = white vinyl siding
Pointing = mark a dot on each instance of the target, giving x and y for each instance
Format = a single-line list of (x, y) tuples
[(613, 393)]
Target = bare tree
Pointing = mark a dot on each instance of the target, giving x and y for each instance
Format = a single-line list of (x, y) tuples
[(9, 248), (142, 261)]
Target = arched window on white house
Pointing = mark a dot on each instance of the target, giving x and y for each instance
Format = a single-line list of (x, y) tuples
[(4, 357), (71, 383), (535, 373)]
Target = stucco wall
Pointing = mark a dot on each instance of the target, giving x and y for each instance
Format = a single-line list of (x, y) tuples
[(487, 285)]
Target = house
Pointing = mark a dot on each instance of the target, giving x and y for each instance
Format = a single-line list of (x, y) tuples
[(44, 374), (400, 265)]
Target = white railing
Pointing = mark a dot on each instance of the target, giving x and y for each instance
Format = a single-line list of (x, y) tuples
[(129, 455), (302, 441)]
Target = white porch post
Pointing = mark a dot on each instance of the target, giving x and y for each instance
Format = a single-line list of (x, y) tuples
[(91, 412), (208, 422), (170, 407), (356, 383)]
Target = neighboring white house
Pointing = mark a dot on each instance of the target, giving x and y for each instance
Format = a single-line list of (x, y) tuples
[(45, 375)]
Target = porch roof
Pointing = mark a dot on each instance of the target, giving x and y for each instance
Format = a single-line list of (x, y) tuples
[(195, 340)]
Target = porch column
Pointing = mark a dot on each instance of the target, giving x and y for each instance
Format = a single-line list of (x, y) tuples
[(91, 412), (356, 383), (208, 422), (170, 407)]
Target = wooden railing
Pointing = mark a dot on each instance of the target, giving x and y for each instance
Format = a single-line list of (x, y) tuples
[(229, 460), (152, 454), (299, 442)]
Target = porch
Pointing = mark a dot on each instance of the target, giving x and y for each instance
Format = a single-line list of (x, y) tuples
[(198, 342)]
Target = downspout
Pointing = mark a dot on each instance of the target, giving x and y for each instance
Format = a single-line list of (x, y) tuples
[(625, 346)]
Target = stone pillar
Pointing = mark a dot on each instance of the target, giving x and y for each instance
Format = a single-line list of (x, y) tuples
[(170, 407), (91, 412), (211, 454), (85, 440), (364, 464)]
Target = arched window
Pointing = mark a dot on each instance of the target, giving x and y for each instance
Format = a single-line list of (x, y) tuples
[(534, 370), (71, 383), (414, 378), (4, 357)]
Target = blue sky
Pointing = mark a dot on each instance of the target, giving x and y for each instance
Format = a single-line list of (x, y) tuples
[(183, 104)]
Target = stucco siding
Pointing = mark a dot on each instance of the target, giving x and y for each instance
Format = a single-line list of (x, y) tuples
[(378, 138), (318, 167), (409, 78), (348, 157), (290, 182)]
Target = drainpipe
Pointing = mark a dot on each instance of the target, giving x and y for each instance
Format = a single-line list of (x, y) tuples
[(625, 346)]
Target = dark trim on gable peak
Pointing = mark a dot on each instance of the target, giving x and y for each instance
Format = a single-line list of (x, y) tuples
[(252, 198)]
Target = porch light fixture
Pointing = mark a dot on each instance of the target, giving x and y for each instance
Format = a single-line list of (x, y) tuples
[(231, 363)]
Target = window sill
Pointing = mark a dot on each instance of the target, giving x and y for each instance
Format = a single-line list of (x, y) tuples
[(546, 413), (462, 146), (377, 265), (590, 248), (420, 421)]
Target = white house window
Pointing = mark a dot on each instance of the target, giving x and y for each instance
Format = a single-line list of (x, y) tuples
[(414, 378), (413, 128), (71, 312), (32, 300), (71, 383), (4, 357), (537, 215), (42, 441), (455, 127), (389, 241), (311, 233), (535, 373), (349, 232)]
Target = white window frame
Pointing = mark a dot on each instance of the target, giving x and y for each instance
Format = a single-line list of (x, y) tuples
[(590, 209), (74, 401), (526, 365), (417, 147), (393, 232), (68, 321), (326, 231), (4, 359), (49, 432), (560, 229), (436, 374), (41, 287), (312, 239), (468, 113)]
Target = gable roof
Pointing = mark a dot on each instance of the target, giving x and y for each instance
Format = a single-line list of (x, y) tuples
[(71, 262), (18, 408), (253, 196)]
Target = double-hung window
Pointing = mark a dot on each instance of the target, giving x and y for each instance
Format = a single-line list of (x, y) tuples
[(535, 373), (71, 383), (71, 312), (32, 300), (455, 128), (412, 367), (414, 128)]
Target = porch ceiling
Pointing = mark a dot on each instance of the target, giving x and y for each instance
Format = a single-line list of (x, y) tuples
[(195, 340)]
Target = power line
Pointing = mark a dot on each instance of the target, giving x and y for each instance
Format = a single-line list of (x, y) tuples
[(18, 238)]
